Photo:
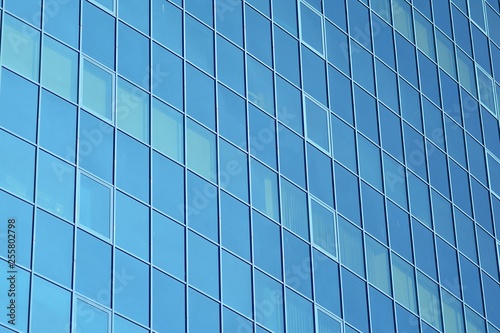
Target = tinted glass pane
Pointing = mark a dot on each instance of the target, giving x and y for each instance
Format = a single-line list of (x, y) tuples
[(203, 264), (355, 300), (200, 154), (236, 284), (167, 126), (266, 290), (168, 303), (326, 282), (294, 209), (168, 187), (96, 87), (200, 97), (167, 17), (132, 110), (98, 35), (231, 112), (203, 313), (167, 238), (132, 226), (202, 206), (135, 13), (230, 66), (50, 307), (199, 45), (266, 245), (167, 76), (235, 229), (94, 205)]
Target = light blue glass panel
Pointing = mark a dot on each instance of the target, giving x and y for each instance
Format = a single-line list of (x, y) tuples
[(131, 297), (133, 55), (286, 53), (266, 245), (443, 220), (230, 65), (466, 74), (319, 172), (355, 300), (98, 34), (50, 307), (260, 85), (89, 318), (362, 67), (264, 190), (20, 47), (53, 248), (366, 114), (96, 141), (29, 10), (445, 53), (294, 209), (471, 281), (373, 213), (311, 28), (429, 303), (423, 243), (258, 36), (203, 313), (377, 263), (236, 284), (234, 170), (168, 187), (351, 246), (314, 75), (93, 272), (202, 207), (200, 97), (135, 12), (424, 36), (167, 128), (57, 130), (395, 181), (381, 312), (168, 303), (132, 226), (347, 203), (285, 14), (96, 90), (18, 100), (370, 166), (419, 200), (94, 206), (323, 228), (453, 317), (231, 111), (448, 268), (262, 136), (59, 69), (300, 317), (229, 19), (326, 282), (327, 324), (406, 321), (403, 278), (109, 4), (201, 10), (402, 17), (200, 154), (203, 264), (269, 303), (387, 89), (132, 110), (168, 76), (199, 45), (167, 238), (289, 105), (167, 17), (233, 322), (132, 167), (235, 226), (59, 21), (56, 186), (399, 231), (17, 177), (317, 124), (123, 325)]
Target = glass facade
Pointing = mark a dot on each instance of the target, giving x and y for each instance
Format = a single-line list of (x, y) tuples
[(284, 166)]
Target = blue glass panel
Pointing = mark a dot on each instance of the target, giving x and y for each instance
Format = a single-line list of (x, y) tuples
[(465, 235), (236, 284), (300, 317), (21, 47), (59, 21), (452, 313), (269, 303), (167, 17), (311, 28), (430, 85), (98, 35), (337, 47), (359, 23), (29, 10), (370, 165), (415, 151), (395, 181), (230, 65), (22, 299), (55, 186), (286, 50), (351, 246), (17, 177), (292, 156), (472, 283), (168, 76), (319, 173), (260, 85), (383, 40), (50, 307), (326, 282), (266, 245), (407, 60), (410, 105), (133, 55), (201, 10), (387, 86), (167, 238), (132, 167), (90, 318), (455, 141), (451, 98), (18, 100), (200, 96), (391, 133), (462, 32), (399, 231), (377, 265), (133, 110), (314, 75), (53, 248), (233, 322), (343, 143), (285, 14), (168, 303), (423, 242), (492, 299), (203, 313), (94, 206), (258, 36), (294, 209), (135, 13), (234, 170), (231, 111), (340, 95), (481, 204), (93, 272), (460, 188), (297, 264), (264, 190), (487, 253), (362, 67), (235, 226), (123, 325), (419, 199), (289, 105), (448, 267), (132, 226), (438, 170), (373, 212), (262, 136), (366, 114), (491, 133), (96, 141), (317, 124), (202, 206), (327, 324), (442, 217), (199, 44), (96, 90), (348, 201), (167, 126), (381, 312), (203, 264), (229, 20), (476, 159), (406, 321), (131, 296), (355, 300)]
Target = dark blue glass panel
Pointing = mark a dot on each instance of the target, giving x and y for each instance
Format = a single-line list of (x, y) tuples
[(460, 188), (133, 55), (203, 264), (391, 133), (476, 159), (387, 86), (286, 49), (399, 231), (326, 282), (314, 75), (262, 136), (442, 217), (373, 212), (370, 166), (235, 226), (359, 23), (433, 124), (406, 321), (455, 141), (337, 47), (258, 33), (230, 65), (451, 99), (202, 206), (320, 175), (423, 241), (234, 170), (472, 284), (132, 167), (481, 205), (438, 170), (429, 78), (415, 151), (167, 237), (266, 245), (317, 124), (168, 303), (448, 267), (442, 17), (18, 100), (98, 35), (410, 105), (381, 312), (229, 20), (465, 235), (487, 253), (366, 114), (383, 41), (419, 199), (492, 299), (348, 200), (407, 61), (362, 67), (297, 264), (292, 156), (462, 32), (340, 95), (336, 12), (491, 132), (344, 143), (231, 110), (289, 105), (355, 300), (200, 96)]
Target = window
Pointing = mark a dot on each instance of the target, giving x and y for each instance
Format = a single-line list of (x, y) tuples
[(203, 313), (199, 45), (234, 170), (83, 311), (425, 36), (381, 312), (377, 262), (362, 67), (135, 12), (200, 96), (264, 189), (351, 246), (317, 124), (286, 52), (294, 209), (453, 316), (266, 290), (168, 76), (262, 136), (348, 202), (314, 75), (289, 105), (202, 206), (404, 283), (132, 110), (299, 313), (236, 284), (230, 65), (446, 54), (373, 212), (387, 86), (260, 85), (96, 90), (133, 55), (337, 47), (62, 25), (370, 166), (258, 33), (312, 28), (229, 20), (323, 228), (355, 300), (402, 17), (232, 117), (200, 154), (286, 15), (203, 264), (167, 126), (94, 205), (167, 17), (50, 307), (235, 226), (168, 303), (98, 33), (28, 10), (326, 282), (267, 245), (167, 237), (343, 143)]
